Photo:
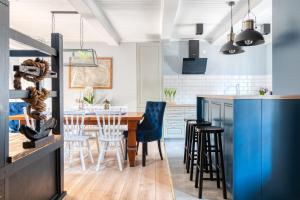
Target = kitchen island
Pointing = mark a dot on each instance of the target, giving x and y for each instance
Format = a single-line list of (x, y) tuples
[(261, 143)]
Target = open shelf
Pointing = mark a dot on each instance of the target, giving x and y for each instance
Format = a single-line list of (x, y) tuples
[(20, 94), (17, 152), (32, 70), (27, 53), (24, 39)]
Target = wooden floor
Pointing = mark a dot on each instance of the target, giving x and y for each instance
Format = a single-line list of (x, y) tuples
[(152, 182)]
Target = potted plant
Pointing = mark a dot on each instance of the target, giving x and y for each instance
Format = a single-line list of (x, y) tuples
[(170, 94), (263, 91)]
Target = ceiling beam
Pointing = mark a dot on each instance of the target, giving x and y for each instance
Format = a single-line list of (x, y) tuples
[(95, 16), (168, 17), (240, 10)]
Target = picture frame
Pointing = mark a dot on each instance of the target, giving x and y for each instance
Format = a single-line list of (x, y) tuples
[(99, 77)]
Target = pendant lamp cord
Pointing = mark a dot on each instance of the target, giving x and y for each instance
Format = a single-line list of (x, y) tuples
[(249, 12), (53, 23), (81, 33), (249, 9), (231, 19)]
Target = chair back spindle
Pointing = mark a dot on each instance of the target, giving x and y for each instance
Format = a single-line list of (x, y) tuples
[(74, 123), (109, 122)]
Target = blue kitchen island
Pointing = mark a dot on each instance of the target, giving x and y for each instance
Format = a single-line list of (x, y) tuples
[(261, 144)]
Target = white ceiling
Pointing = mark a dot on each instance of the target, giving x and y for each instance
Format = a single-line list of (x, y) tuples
[(208, 12), (129, 20), (134, 20), (33, 17)]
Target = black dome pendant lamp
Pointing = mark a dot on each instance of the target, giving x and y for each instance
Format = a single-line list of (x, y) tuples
[(249, 36), (229, 48)]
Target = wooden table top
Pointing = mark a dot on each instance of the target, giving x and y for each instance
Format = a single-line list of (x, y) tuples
[(135, 116)]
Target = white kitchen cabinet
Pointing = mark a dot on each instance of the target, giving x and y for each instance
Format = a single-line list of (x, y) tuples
[(174, 125)]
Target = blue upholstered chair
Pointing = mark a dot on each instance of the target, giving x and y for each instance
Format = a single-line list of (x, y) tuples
[(150, 129), (15, 108)]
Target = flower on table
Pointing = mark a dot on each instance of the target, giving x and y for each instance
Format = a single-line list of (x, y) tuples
[(89, 96)]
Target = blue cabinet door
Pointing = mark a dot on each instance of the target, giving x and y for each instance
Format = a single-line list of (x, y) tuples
[(227, 124), (247, 150), (280, 149)]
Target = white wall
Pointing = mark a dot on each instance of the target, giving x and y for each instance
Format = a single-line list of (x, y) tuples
[(256, 60), (124, 89), (236, 74)]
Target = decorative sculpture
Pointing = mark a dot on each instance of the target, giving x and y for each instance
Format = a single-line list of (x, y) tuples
[(33, 135), (36, 97), (38, 138), (35, 71)]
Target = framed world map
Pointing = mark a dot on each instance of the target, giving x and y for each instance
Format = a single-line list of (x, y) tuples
[(99, 77)]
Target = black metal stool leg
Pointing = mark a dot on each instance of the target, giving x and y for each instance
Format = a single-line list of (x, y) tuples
[(217, 159), (222, 166), (193, 155), (189, 150), (198, 160), (202, 147), (187, 164), (185, 142), (211, 176)]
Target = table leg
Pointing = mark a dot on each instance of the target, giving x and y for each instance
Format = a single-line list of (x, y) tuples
[(132, 142)]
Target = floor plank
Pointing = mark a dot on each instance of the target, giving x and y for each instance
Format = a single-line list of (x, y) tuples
[(163, 190), (133, 183)]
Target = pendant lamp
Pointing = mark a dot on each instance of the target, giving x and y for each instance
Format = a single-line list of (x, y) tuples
[(81, 57), (229, 48), (78, 57), (249, 36)]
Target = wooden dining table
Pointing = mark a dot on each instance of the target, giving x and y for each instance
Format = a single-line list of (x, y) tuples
[(130, 118)]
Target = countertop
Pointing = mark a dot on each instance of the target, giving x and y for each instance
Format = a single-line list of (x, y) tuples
[(250, 97)]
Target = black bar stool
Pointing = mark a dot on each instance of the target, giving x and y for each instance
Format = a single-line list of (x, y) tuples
[(187, 129), (217, 148), (193, 155), (191, 151)]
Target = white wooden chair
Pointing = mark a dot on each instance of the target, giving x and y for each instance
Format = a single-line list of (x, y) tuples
[(110, 135), (75, 140), (92, 130)]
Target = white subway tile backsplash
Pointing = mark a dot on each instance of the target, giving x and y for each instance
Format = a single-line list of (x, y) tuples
[(189, 86)]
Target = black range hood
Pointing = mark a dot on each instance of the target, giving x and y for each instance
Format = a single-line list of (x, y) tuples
[(194, 64)]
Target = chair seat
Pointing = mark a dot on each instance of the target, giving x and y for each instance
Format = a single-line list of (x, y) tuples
[(124, 127), (113, 138), (75, 138), (91, 129), (210, 129)]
